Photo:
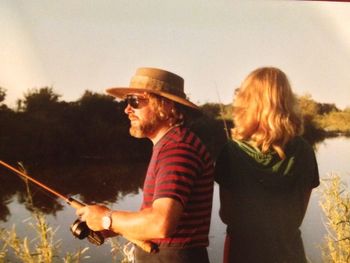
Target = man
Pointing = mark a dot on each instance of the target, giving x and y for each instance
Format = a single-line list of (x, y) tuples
[(178, 188)]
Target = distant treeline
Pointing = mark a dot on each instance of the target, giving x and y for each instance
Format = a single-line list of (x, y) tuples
[(43, 127)]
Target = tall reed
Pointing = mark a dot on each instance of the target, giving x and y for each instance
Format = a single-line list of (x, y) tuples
[(335, 203), (42, 249), (121, 253)]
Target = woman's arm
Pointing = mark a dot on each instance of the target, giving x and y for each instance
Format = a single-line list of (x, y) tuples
[(225, 203)]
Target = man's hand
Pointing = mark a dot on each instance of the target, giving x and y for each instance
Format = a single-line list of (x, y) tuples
[(93, 214), (158, 221)]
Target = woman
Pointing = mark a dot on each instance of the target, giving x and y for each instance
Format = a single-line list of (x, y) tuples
[(266, 173)]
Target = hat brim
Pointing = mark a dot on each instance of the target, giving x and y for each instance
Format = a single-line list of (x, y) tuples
[(121, 93)]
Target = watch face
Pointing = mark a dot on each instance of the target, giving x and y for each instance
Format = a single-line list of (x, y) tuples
[(106, 222)]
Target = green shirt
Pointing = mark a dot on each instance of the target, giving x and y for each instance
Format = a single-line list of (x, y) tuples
[(267, 199)]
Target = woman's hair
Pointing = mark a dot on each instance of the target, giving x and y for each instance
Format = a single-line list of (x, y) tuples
[(265, 111), (166, 109)]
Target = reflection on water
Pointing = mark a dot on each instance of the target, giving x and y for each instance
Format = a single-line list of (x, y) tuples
[(119, 186), (93, 181), (96, 181)]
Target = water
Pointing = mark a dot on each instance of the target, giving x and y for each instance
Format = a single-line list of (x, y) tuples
[(332, 155)]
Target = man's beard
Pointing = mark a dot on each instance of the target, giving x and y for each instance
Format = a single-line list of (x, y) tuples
[(145, 128)]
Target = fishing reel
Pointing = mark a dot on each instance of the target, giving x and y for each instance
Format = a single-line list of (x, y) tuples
[(80, 230)]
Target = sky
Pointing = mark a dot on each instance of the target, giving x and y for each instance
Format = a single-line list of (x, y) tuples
[(79, 45)]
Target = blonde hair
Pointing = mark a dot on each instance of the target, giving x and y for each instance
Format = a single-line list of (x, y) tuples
[(265, 111)]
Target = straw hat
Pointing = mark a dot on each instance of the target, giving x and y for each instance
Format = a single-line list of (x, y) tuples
[(157, 81)]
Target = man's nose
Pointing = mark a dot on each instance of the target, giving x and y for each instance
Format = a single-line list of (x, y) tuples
[(128, 109)]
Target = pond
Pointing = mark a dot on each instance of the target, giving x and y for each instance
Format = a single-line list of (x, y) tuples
[(331, 155)]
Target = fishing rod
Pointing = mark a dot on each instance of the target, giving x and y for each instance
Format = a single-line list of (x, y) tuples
[(79, 228), (222, 114)]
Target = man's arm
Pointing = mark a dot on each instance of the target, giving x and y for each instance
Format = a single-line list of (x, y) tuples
[(158, 221)]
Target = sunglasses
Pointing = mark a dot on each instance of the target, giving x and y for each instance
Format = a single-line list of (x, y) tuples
[(135, 101)]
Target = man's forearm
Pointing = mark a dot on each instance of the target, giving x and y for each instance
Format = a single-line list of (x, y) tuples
[(142, 225), (158, 221)]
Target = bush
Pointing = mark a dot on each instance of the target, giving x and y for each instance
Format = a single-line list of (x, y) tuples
[(335, 203)]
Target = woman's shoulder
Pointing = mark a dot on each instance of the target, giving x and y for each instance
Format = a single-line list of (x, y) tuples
[(234, 144), (299, 143), (231, 146)]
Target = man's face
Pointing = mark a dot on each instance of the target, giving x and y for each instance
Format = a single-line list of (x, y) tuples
[(142, 115)]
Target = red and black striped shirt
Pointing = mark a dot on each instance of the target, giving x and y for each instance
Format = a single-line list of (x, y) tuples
[(181, 168)]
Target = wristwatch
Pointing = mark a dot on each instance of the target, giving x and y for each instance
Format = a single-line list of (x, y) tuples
[(107, 220)]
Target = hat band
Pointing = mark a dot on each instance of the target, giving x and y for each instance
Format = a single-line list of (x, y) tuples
[(155, 85)]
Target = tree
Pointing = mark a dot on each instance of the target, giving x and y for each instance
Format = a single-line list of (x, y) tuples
[(39, 100), (309, 108), (95, 105), (310, 111), (39, 123), (103, 128), (325, 108), (2, 94)]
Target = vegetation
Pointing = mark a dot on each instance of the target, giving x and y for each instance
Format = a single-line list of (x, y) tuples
[(121, 253), (93, 128), (43, 248), (336, 122), (324, 118), (336, 207), (45, 128)]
